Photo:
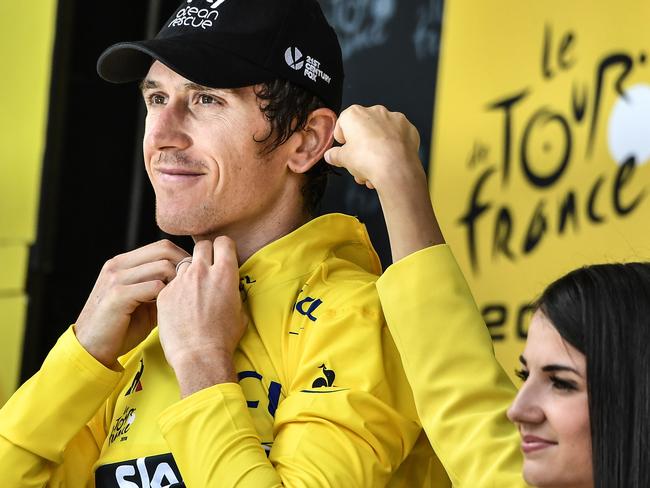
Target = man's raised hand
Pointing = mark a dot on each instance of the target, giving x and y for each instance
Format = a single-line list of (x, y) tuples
[(380, 149)]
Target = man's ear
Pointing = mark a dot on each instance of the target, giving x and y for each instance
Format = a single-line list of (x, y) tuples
[(312, 142)]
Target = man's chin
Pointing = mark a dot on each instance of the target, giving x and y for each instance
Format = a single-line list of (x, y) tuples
[(174, 227)]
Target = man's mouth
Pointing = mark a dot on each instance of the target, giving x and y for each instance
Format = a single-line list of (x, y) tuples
[(177, 175)]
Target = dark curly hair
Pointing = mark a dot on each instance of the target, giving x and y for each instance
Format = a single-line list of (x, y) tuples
[(287, 107)]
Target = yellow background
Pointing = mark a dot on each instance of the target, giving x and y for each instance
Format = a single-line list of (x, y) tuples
[(494, 49), (26, 41)]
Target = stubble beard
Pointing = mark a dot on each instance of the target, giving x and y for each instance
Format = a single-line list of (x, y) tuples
[(201, 220)]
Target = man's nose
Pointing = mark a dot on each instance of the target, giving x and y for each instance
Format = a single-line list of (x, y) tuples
[(166, 128)]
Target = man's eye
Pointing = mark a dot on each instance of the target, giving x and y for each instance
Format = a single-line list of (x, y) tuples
[(208, 99), (155, 99)]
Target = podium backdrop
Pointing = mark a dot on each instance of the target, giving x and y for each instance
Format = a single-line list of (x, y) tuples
[(542, 139)]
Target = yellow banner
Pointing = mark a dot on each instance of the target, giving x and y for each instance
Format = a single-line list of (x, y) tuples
[(26, 41), (540, 147)]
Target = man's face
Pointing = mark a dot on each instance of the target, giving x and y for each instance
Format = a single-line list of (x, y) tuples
[(202, 157)]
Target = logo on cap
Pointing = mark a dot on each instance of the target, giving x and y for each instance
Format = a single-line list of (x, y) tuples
[(214, 5), (294, 58)]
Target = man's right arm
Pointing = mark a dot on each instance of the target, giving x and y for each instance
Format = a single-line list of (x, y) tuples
[(50, 429), (46, 428)]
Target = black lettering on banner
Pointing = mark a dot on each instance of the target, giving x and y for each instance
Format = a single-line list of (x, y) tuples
[(524, 316), (496, 316), (502, 234), (568, 212), (474, 212), (543, 117), (612, 61), (624, 174), (536, 229), (591, 205), (527, 135), (563, 62), (507, 104)]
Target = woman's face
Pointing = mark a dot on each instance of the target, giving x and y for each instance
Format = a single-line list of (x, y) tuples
[(551, 410)]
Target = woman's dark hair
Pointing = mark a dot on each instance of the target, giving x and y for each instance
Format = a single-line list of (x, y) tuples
[(604, 312), (287, 107)]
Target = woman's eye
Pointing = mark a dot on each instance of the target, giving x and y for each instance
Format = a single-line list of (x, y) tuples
[(522, 374), (564, 385)]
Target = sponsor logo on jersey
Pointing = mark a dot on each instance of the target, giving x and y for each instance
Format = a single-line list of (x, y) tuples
[(243, 282), (147, 472), (136, 384), (122, 425), (273, 395), (308, 306), (326, 380), (247, 280)]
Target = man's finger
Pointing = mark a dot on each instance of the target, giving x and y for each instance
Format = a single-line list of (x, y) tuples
[(331, 156), (225, 260), (158, 270), (339, 136), (150, 253), (138, 293), (203, 253), (182, 266), (334, 156), (359, 180)]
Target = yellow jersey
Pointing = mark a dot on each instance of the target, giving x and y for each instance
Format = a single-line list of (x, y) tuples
[(322, 399)]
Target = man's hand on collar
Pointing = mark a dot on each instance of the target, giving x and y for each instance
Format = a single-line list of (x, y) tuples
[(200, 317)]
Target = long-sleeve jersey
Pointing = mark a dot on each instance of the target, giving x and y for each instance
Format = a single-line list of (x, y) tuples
[(322, 399), (460, 390)]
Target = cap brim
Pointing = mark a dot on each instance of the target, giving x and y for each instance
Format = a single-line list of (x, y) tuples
[(130, 61)]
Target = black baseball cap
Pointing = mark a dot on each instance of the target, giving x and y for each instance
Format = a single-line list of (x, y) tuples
[(236, 43)]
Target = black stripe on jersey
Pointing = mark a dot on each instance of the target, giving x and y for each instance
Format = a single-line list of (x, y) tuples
[(322, 391)]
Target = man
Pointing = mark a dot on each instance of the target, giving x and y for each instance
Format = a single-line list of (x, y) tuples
[(270, 364)]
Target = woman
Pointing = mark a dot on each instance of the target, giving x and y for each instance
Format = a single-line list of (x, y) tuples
[(572, 435), (587, 355)]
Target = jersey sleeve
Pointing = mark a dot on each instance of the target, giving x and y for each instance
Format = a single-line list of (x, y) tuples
[(341, 423), (52, 428), (461, 391)]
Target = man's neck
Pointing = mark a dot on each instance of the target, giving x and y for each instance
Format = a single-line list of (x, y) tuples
[(250, 237)]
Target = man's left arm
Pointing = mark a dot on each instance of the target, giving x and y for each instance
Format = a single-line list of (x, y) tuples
[(322, 439)]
